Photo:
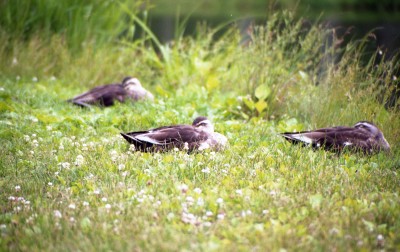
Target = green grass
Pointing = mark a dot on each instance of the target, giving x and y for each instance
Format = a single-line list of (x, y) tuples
[(83, 189)]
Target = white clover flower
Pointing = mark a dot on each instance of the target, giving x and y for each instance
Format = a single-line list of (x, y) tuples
[(57, 214), (27, 138), (96, 192), (108, 206), (27, 202), (220, 201), (35, 79), (72, 219), (11, 198), (207, 224), (79, 160), (35, 143), (206, 170), (272, 193), (265, 211), (121, 167), (61, 147), (189, 200), (49, 128), (84, 147), (209, 214), (85, 203), (176, 149), (200, 202), (32, 152), (125, 173), (17, 188), (3, 226), (20, 153), (132, 148), (71, 206), (21, 199), (225, 172), (239, 192), (104, 199), (183, 188), (221, 216), (197, 190), (73, 137), (65, 165), (170, 216)]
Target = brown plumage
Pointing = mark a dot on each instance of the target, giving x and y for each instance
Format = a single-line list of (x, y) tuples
[(198, 136), (106, 95), (362, 137)]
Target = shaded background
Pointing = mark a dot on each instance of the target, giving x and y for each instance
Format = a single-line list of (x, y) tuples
[(363, 16)]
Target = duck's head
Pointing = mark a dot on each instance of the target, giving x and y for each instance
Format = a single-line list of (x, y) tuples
[(203, 124), (375, 131), (129, 82)]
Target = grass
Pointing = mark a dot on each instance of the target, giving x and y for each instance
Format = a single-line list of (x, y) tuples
[(69, 181)]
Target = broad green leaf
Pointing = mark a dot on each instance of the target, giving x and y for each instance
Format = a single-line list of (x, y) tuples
[(262, 92), (261, 105), (249, 103)]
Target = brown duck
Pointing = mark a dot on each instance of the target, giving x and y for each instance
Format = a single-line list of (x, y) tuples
[(198, 136), (105, 95), (362, 137)]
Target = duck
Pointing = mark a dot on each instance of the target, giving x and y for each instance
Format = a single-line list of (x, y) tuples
[(198, 136), (105, 95), (363, 137)]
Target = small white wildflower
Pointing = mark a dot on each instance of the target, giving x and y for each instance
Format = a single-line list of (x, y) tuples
[(21, 199), (72, 219), (3, 226), (56, 174), (14, 61), (239, 192), (197, 190), (32, 152), (265, 211), (53, 78), (35, 79), (209, 214), (20, 153), (18, 77), (35, 143), (189, 200), (61, 147), (394, 77), (206, 170), (27, 138), (71, 206), (221, 216), (272, 193), (57, 214), (17, 188), (121, 167), (207, 224), (200, 202), (125, 173), (132, 148), (104, 199), (170, 216), (65, 165), (33, 135), (183, 188), (220, 201), (108, 206), (186, 146), (176, 149), (85, 203), (249, 212), (96, 192), (27, 202), (11, 198), (79, 160)]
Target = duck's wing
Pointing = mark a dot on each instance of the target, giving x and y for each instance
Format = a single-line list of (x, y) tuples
[(103, 95), (167, 137)]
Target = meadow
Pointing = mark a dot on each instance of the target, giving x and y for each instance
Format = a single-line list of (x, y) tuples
[(68, 180)]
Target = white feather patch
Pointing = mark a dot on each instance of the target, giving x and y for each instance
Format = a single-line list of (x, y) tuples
[(147, 139), (347, 143), (302, 138)]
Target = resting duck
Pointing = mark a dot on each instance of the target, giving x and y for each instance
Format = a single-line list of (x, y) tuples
[(105, 95), (363, 136), (198, 136)]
